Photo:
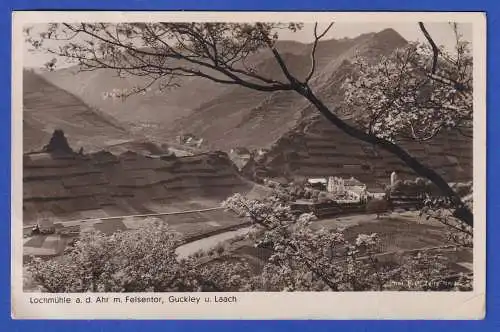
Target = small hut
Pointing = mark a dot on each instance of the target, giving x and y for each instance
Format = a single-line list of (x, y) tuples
[(44, 226)]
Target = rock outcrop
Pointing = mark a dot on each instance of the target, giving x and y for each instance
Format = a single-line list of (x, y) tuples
[(58, 144)]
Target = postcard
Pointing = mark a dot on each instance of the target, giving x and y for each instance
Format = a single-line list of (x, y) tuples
[(248, 165)]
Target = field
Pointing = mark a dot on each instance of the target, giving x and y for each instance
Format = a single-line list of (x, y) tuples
[(192, 225), (401, 234)]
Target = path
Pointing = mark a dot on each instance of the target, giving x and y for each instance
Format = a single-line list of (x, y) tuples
[(79, 221)]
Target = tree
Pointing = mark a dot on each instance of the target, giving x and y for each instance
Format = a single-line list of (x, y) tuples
[(163, 52), (308, 259), (414, 94), (142, 260), (400, 100), (302, 259)]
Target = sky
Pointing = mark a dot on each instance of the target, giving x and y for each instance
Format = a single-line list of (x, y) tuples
[(442, 33)]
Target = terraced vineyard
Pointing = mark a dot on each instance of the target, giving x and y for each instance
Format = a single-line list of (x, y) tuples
[(320, 149), (72, 186)]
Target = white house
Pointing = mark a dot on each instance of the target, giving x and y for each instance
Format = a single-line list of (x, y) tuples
[(336, 185), (394, 178), (348, 187)]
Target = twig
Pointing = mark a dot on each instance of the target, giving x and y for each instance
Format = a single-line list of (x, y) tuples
[(315, 45)]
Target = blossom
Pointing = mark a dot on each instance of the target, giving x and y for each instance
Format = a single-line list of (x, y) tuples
[(396, 97)]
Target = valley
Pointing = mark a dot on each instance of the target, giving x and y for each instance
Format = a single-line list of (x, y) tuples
[(175, 157)]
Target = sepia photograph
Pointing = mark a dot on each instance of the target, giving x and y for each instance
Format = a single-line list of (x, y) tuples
[(223, 155)]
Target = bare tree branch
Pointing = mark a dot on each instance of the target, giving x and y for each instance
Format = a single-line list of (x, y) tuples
[(272, 85), (313, 51)]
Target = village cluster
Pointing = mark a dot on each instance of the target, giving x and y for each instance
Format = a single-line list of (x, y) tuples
[(330, 196)]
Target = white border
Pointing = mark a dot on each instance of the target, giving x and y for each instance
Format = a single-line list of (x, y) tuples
[(300, 305)]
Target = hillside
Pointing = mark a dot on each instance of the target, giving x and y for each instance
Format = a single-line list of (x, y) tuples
[(69, 186), (47, 107), (301, 143), (150, 112), (315, 148)]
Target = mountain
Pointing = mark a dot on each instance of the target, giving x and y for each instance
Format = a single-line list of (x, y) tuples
[(155, 113), (47, 108), (255, 119)]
